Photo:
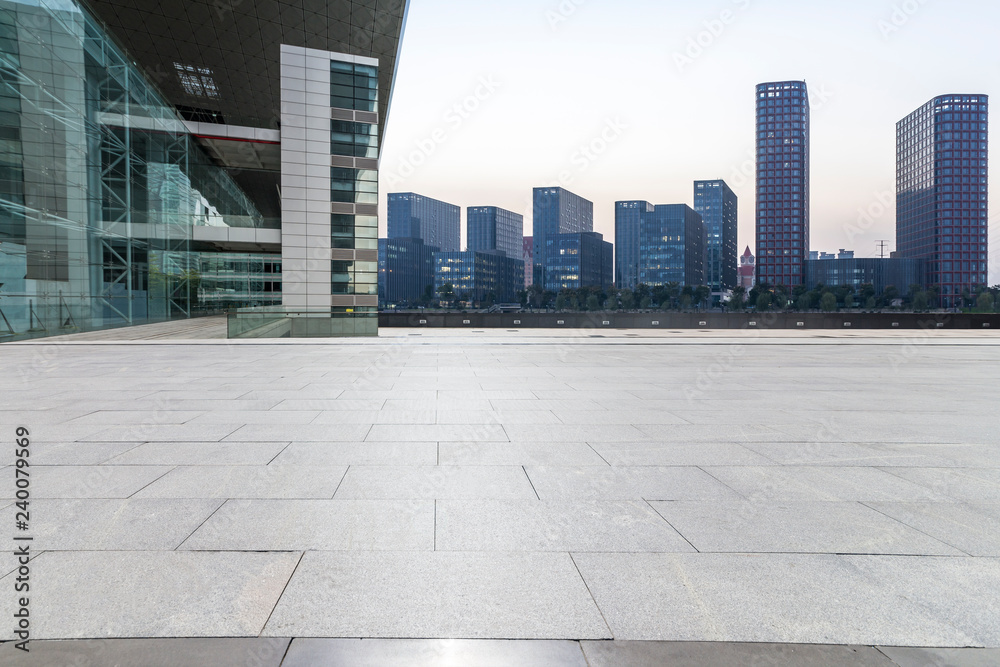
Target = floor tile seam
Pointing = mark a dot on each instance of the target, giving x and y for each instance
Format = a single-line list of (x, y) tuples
[(867, 503), (145, 486), (342, 478), (524, 469), (282, 451), (211, 514), (586, 585), (277, 600), (742, 496), (672, 527)]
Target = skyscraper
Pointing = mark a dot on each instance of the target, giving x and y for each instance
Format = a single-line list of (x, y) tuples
[(717, 204), (941, 192), (656, 245), (436, 223), (557, 211), (573, 261), (782, 182), (490, 228)]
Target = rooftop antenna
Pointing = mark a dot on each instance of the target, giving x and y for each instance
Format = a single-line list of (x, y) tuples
[(882, 245)]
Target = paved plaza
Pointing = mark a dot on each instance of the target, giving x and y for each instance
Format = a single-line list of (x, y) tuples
[(789, 488)]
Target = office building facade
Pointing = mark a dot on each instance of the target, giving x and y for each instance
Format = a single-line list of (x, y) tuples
[(479, 276), (405, 271), (782, 182), (717, 205), (493, 229), (573, 261), (656, 245), (942, 205), (155, 170), (436, 223), (556, 211), (849, 271)]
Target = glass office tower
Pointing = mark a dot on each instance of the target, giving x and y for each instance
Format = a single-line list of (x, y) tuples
[(479, 276), (413, 216), (782, 182), (490, 228), (573, 261), (556, 211), (628, 224), (718, 206), (405, 271), (942, 199), (657, 245)]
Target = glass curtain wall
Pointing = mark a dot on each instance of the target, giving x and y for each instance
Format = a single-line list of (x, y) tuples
[(100, 186)]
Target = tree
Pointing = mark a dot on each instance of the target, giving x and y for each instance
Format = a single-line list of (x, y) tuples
[(646, 303), (871, 303), (702, 294), (920, 301), (593, 302), (672, 292), (804, 301), (985, 303), (561, 301), (447, 293), (628, 299), (611, 303), (828, 302), (764, 301), (889, 295), (738, 298)]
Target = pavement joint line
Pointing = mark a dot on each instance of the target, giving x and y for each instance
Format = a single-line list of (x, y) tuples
[(277, 600), (224, 501), (591, 594), (867, 504), (672, 527)]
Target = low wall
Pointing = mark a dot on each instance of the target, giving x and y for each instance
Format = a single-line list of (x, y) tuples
[(690, 320)]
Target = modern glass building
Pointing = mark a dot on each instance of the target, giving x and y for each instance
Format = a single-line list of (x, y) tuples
[(154, 167), (405, 271), (490, 228), (628, 226), (942, 201), (527, 254), (657, 245), (479, 276), (556, 211), (718, 206), (413, 216), (782, 182), (857, 271), (578, 260)]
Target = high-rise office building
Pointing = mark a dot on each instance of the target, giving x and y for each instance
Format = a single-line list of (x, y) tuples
[(942, 171), (405, 270), (717, 204), (490, 228), (657, 245), (436, 223), (782, 182), (479, 276), (573, 261), (155, 166), (628, 226), (557, 211)]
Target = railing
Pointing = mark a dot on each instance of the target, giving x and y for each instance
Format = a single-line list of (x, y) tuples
[(280, 322)]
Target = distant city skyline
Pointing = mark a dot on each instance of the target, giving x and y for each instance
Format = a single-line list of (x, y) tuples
[(638, 99)]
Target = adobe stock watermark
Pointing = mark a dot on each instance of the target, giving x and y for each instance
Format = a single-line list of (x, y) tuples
[(562, 13), (712, 30), (591, 151), (453, 118), (902, 14)]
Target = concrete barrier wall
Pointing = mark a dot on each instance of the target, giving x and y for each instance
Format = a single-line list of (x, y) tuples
[(669, 321)]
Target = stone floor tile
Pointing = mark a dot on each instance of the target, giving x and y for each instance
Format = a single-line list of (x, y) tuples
[(200, 453), (432, 653), (716, 654), (520, 454), (445, 595), (560, 482), (388, 482), (261, 652), (974, 528), (359, 453), (273, 481)]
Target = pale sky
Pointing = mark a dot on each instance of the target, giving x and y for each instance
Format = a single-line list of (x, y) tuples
[(495, 98)]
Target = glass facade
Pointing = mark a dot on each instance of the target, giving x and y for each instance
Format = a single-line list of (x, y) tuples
[(573, 261), (782, 182), (628, 223), (855, 272), (556, 211), (942, 198), (494, 229), (102, 187), (405, 270), (672, 247), (478, 276), (413, 216), (718, 206)]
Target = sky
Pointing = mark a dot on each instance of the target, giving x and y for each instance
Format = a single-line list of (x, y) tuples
[(636, 99)]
